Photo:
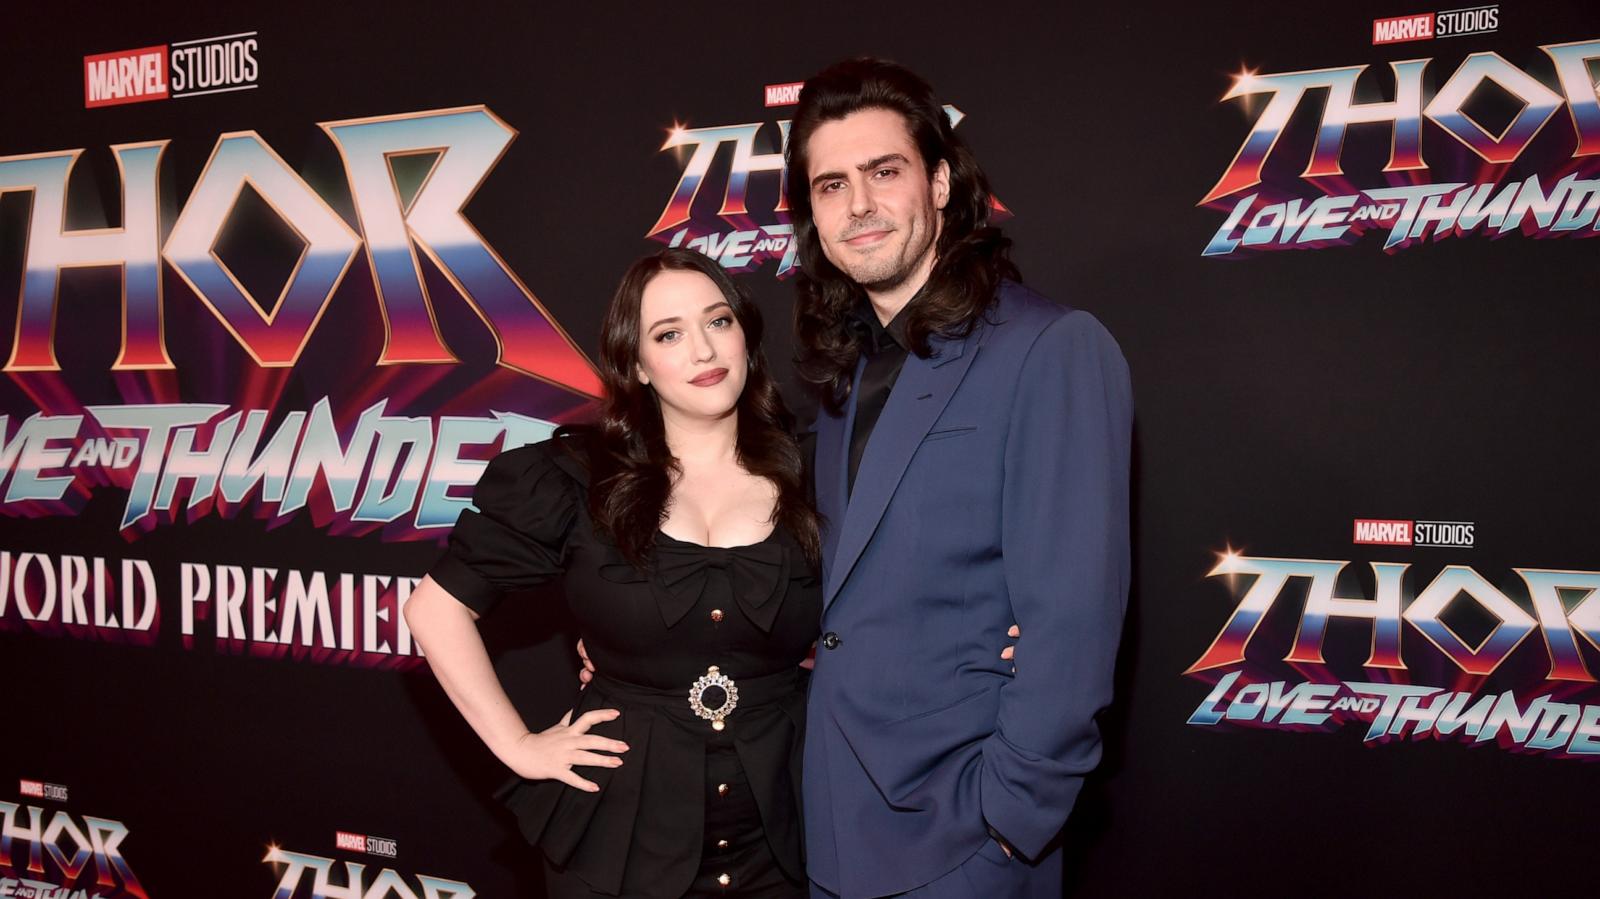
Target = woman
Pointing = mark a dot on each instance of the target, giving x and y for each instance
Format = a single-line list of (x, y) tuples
[(689, 544)]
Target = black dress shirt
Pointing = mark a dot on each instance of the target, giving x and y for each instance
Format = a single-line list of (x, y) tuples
[(885, 349)]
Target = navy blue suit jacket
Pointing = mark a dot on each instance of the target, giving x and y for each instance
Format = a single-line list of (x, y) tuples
[(994, 490)]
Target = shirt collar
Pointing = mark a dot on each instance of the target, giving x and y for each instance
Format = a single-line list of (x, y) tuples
[(872, 334)]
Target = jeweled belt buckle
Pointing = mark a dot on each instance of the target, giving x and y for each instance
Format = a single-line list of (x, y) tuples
[(714, 678)]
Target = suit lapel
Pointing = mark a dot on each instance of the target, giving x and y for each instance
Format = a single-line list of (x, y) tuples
[(920, 394), (832, 472)]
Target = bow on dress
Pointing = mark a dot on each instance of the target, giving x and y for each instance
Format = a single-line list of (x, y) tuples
[(756, 574)]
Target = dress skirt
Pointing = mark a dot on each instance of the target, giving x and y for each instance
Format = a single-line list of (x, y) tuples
[(692, 811)]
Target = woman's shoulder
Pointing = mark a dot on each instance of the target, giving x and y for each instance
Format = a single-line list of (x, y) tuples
[(538, 487), (563, 458)]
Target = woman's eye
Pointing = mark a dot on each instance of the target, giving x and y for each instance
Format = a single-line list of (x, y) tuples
[(666, 336), (721, 322)]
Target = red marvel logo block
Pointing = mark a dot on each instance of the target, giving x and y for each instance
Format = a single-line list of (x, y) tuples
[(1387, 532), (1403, 28), (784, 94), (127, 76)]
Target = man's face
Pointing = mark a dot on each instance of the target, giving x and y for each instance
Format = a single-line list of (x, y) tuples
[(875, 208)]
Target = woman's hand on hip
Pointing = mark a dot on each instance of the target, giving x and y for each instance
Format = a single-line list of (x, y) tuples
[(552, 754)]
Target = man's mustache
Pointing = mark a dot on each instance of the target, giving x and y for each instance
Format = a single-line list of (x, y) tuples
[(863, 227)]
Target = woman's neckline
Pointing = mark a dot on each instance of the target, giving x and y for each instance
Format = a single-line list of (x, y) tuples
[(771, 536)]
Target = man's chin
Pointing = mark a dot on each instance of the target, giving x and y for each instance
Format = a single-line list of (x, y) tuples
[(875, 275), (879, 281)]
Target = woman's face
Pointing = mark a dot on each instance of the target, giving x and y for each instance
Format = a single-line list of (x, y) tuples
[(691, 348)]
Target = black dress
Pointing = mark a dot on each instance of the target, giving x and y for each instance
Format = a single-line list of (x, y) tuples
[(693, 810)]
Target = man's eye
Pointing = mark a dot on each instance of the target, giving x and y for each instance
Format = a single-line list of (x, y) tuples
[(832, 186), (886, 173), (666, 336)]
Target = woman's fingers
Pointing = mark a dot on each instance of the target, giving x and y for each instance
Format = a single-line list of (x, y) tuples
[(595, 760), (586, 672), (591, 741), (591, 718), (572, 780)]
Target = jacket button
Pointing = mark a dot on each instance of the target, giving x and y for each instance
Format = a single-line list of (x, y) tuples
[(830, 640), (716, 615)]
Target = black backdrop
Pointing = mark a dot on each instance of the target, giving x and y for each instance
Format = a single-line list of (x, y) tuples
[(1281, 396)]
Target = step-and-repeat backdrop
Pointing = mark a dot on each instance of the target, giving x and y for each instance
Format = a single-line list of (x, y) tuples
[(278, 279)]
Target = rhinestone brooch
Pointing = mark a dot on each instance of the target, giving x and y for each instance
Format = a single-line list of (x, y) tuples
[(713, 678)]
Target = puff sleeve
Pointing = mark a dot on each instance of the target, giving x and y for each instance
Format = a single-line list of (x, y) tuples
[(517, 536)]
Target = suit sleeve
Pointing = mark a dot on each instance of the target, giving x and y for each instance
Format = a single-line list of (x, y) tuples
[(1065, 544)]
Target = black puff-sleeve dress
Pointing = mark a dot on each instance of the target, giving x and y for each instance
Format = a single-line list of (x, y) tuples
[(693, 810)]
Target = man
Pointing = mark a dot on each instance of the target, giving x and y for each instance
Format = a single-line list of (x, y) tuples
[(972, 456)]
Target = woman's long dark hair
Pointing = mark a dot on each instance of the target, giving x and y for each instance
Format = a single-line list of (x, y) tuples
[(630, 467), (972, 256)]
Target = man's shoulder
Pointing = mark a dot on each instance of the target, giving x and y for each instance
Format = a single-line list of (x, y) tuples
[(1022, 314), (1026, 322)]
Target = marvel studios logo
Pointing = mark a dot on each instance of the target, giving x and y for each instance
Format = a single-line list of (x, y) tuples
[(38, 789), (207, 65), (1404, 532), (356, 842), (1428, 25)]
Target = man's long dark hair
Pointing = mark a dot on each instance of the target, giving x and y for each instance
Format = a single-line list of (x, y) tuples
[(630, 467), (972, 255)]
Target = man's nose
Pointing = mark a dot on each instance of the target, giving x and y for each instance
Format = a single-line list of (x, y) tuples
[(862, 203)]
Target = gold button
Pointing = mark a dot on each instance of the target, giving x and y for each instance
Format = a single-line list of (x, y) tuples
[(722, 789), (722, 844), (716, 614), (724, 879)]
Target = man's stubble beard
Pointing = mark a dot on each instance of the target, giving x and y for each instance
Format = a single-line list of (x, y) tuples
[(881, 277)]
